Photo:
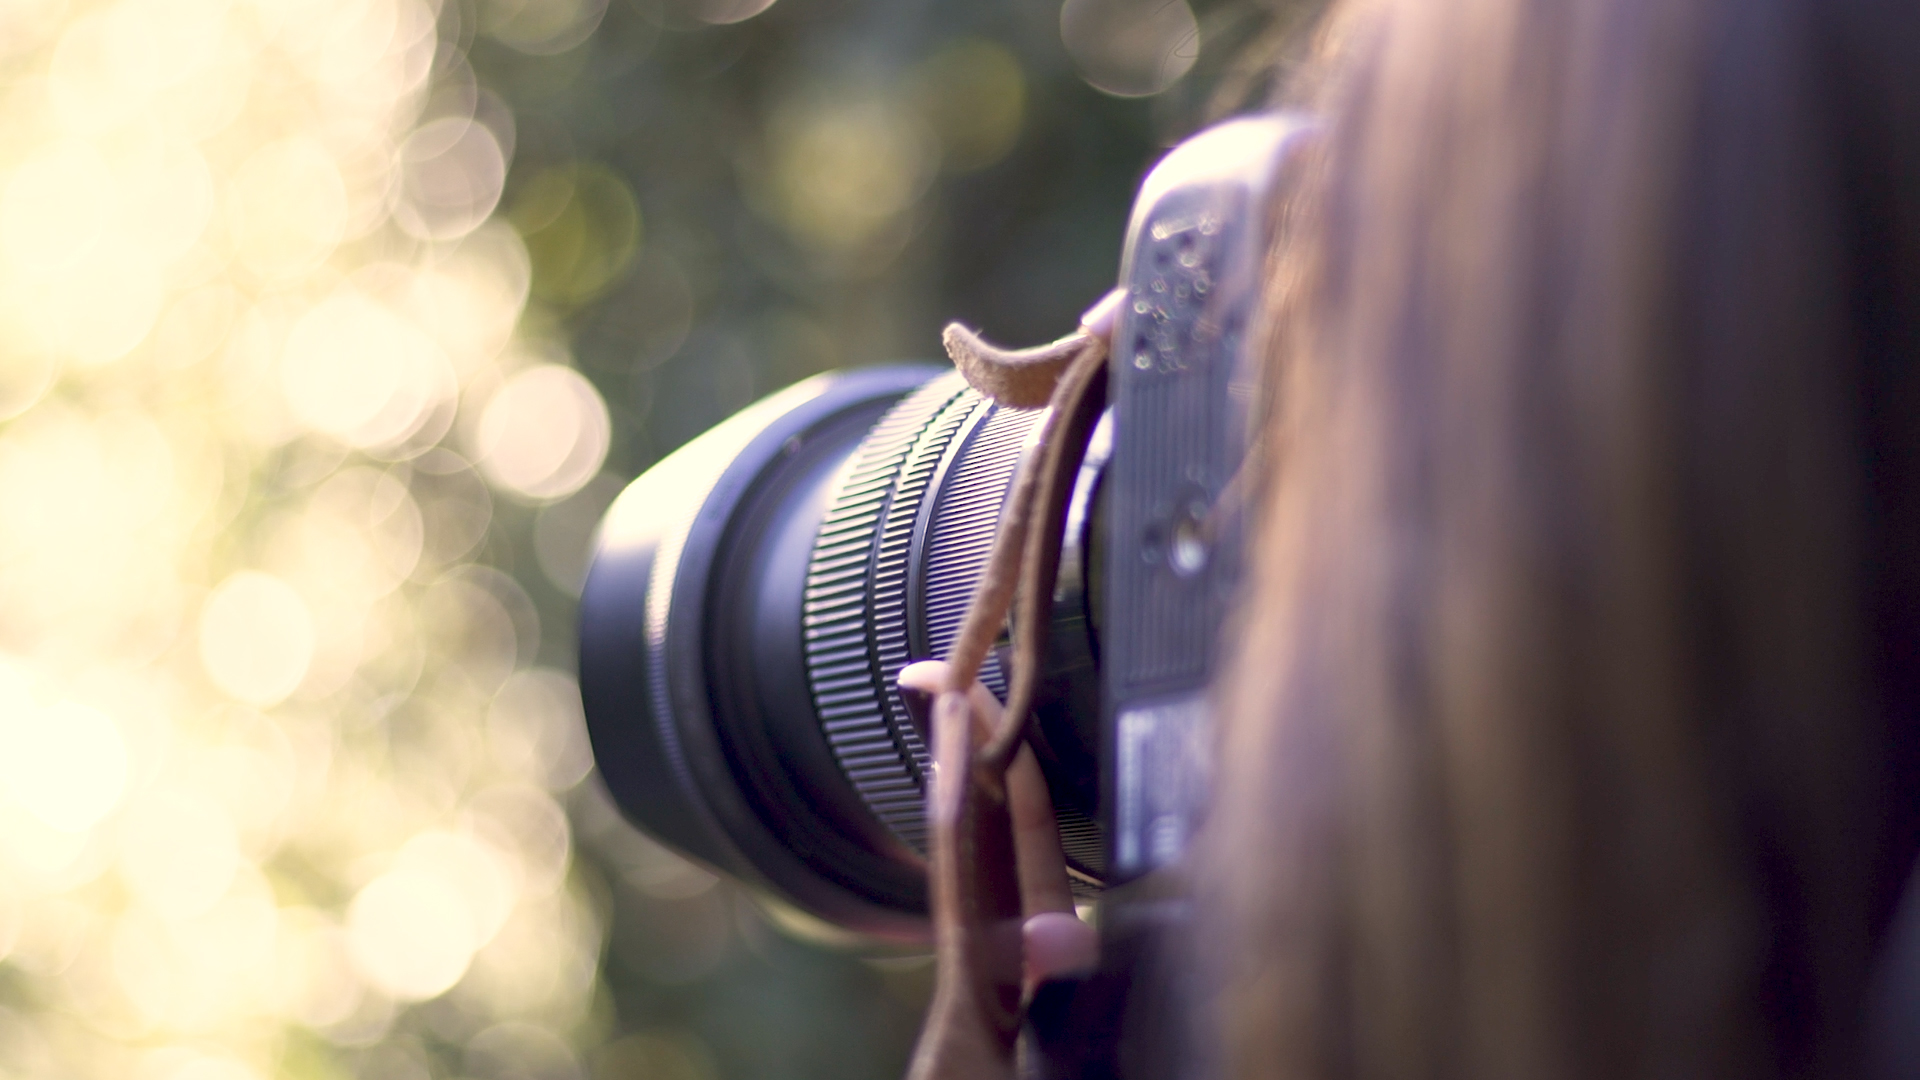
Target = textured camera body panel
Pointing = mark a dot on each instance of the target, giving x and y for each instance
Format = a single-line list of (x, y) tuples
[(1183, 386)]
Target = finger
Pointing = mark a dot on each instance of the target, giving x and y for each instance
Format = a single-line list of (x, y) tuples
[(1044, 885), (924, 680), (919, 684), (1058, 944)]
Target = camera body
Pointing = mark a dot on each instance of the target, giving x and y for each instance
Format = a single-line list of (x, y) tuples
[(1183, 383), (753, 596)]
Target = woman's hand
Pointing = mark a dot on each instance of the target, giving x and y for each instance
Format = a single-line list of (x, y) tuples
[(1054, 940)]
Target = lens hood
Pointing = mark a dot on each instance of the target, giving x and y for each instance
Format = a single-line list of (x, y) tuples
[(691, 653)]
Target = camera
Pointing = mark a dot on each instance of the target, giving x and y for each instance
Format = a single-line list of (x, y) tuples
[(753, 596)]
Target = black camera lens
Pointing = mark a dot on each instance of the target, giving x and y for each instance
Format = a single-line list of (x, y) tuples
[(753, 597)]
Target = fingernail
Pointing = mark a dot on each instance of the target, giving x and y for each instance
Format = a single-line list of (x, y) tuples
[(919, 705)]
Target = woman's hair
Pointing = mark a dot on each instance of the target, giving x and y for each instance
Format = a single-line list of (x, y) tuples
[(1573, 727)]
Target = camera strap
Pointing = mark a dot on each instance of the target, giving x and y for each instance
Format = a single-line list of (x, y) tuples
[(974, 887)]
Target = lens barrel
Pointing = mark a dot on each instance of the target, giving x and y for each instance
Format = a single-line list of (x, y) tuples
[(899, 553), (752, 599)]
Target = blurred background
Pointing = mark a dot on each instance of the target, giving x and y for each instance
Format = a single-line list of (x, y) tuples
[(328, 328)]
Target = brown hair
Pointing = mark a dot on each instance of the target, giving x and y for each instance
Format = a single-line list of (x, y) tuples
[(1573, 727)]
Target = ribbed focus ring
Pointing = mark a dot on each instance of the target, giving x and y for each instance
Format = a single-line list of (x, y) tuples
[(900, 550), (855, 621)]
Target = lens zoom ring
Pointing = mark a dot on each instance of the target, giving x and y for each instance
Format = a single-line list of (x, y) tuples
[(966, 514), (965, 517), (856, 604)]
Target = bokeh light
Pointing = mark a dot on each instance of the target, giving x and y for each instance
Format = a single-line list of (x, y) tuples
[(256, 637), (723, 11), (451, 172), (360, 372), (259, 805), (62, 762), (843, 168), (581, 227), (973, 96), (1131, 48), (542, 28), (543, 433), (413, 931)]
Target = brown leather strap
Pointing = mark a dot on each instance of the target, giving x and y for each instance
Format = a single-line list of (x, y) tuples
[(974, 884), (975, 893), (1077, 405), (1021, 378)]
